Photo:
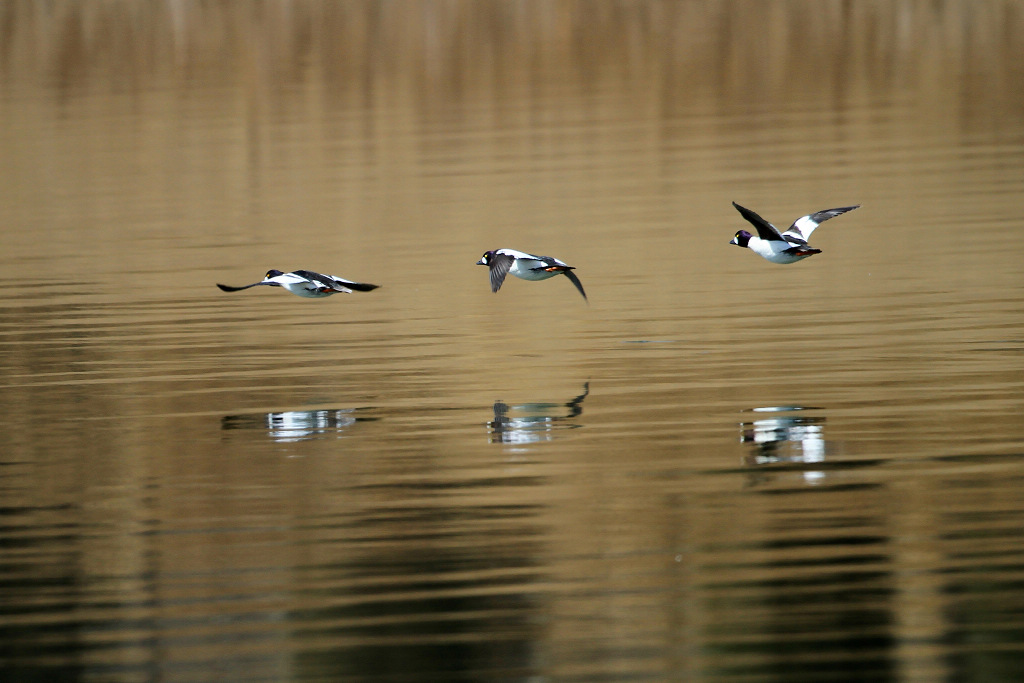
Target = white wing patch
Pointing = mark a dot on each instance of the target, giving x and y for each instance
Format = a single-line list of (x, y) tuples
[(803, 227)]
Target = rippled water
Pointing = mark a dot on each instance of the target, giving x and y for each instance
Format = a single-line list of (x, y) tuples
[(719, 469)]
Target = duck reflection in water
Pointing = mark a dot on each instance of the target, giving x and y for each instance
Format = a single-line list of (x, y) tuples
[(524, 423), (296, 425), (789, 440)]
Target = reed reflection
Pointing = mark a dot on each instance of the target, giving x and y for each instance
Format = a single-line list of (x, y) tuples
[(415, 576), (797, 440), (297, 425), (524, 423)]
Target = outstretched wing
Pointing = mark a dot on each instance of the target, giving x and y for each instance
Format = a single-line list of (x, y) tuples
[(227, 288), (337, 284), (803, 227), (576, 281), (499, 265), (349, 284), (765, 230), (357, 286)]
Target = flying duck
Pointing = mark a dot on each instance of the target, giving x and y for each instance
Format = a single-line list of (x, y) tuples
[(787, 247), (502, 262), (306, 283)]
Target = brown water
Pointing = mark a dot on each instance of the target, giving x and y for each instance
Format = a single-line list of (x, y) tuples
[(720, 469)]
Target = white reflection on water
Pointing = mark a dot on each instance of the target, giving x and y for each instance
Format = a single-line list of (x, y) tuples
[(296, 425), (525, 423), (791, 440)]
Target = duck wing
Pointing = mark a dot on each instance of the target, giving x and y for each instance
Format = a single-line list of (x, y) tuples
[(499, 266), (803, 227), (765, 230)]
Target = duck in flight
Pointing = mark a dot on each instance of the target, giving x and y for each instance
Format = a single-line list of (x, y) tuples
[(306, 283), (786, 247), (502, 262)]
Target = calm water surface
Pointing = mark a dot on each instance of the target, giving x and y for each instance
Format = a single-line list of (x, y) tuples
[(719, 469)]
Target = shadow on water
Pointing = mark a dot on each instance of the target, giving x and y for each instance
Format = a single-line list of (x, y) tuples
[(525, 423), (298, 425), (792, 440), (811, 596)]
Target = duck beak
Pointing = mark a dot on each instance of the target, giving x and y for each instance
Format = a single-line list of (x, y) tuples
[(481, 263)]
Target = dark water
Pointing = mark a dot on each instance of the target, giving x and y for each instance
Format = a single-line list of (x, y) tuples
[(719, 469)]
